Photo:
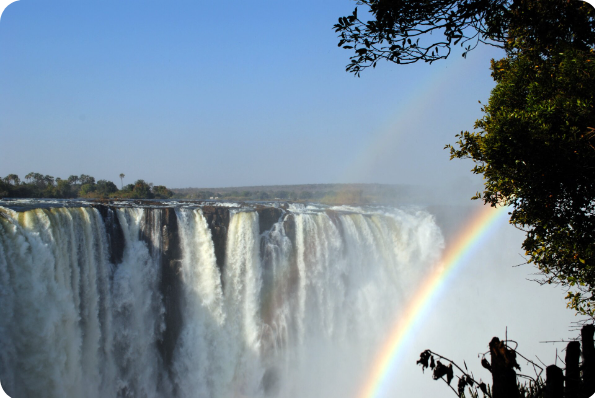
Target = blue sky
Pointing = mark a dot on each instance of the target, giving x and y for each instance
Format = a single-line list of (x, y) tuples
[(216, 94)]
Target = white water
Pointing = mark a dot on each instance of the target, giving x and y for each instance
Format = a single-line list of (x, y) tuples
[(284, 316)]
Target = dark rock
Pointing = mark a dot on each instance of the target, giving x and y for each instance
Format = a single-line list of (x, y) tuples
[(267, 217), (171, 283), (293, 279), (114, 233), (289, 227), (168, 255), (333, 216), (217, 218)]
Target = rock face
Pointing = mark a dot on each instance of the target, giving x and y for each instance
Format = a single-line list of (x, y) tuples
[(171, 284), (168, 253), (217, 218), (289, 226), (267, 216), (334, 217), (114, 233)]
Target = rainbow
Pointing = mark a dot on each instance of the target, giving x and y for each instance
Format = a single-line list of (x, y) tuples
[(472, 235)]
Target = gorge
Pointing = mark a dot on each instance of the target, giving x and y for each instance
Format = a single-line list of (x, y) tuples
[(201, 299)]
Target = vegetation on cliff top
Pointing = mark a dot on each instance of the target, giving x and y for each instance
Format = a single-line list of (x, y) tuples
[(331, 194), (36, 185)]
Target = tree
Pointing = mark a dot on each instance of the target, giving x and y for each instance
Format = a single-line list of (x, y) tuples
[(105, 188), (535, 146), (48, 180), (5, 189), (12, 178), (35, 178), (86, 179), (160, 191), (281, 194), (405, 32), (305, 195), (87, 189), (122, 176), (62, 189), (141, 190)]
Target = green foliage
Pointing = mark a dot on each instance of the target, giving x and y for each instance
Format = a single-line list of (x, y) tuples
[(104, 188), (405, 32), (323, 193), (282, 194), (161, 192), (535, 144), (63, 189), (306, 195), (347, 197), (85, 186), (86, 189), (5, 188), (86, 179), (141, 190), (40, 181), (12, 179)]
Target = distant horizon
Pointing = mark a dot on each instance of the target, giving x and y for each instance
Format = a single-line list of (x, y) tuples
[(205, 95), (298, 185), (22, 178), (40, 187)]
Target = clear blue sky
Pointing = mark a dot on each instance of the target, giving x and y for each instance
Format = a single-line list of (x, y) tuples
[(222, 93)]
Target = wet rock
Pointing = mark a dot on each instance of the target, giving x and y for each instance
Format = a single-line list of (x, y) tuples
[(334, 217), (162, 223), (267, 217), (217, 218), (171, 283), (289, 226), (114, 233)]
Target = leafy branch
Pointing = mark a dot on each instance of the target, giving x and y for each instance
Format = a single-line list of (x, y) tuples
[(397, 29)]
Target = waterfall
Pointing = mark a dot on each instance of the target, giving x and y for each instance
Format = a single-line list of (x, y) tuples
[(190, 300)]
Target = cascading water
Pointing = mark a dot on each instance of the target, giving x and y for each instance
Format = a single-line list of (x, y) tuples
[(202, 300)]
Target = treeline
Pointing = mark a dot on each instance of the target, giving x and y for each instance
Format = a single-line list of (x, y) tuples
[(36, 185), (333, 194), (352, 196)]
